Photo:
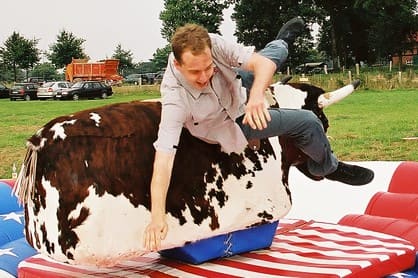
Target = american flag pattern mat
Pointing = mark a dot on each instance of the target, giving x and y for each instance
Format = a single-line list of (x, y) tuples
[(300, 249)]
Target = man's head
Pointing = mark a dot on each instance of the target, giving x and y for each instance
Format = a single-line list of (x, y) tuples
[(191, 47)]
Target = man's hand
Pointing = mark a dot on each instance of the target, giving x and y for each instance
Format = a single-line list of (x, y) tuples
[(157, 228), (154, 233), (256, 113)]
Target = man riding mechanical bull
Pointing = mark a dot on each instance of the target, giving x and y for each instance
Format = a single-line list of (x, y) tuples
[(202, 91), (88, 178)]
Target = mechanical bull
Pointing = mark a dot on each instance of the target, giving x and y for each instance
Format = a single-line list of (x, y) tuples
[(85, 180)]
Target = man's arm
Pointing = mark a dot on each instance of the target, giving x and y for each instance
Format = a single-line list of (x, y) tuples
[(157, 228), (256, 114)]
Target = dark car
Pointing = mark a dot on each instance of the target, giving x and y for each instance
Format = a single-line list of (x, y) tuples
[(310, 68), (159, 77), (25, 91), (148, 78), (35, 79), (86, 89), (4, 91), (134, 78)]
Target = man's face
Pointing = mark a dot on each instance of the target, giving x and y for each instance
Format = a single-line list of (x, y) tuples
[(197, 69)]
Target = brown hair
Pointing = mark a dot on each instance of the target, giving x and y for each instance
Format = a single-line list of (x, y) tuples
[(191, 37)]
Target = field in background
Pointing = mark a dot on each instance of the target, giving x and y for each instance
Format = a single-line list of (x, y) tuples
[(368, 125), (21, 119), (371, 79)]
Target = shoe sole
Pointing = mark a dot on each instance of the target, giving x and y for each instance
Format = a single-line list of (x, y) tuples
[(290, 22)]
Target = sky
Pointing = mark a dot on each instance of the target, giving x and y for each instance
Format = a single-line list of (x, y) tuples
[(134, 24)]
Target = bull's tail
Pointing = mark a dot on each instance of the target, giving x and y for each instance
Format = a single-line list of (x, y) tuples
[(25, 182)]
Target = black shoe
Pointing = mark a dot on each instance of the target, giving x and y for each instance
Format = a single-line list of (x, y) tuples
[(351, 174), (290, 30)]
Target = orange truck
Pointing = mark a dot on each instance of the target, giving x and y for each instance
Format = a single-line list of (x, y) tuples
[(82, 69)]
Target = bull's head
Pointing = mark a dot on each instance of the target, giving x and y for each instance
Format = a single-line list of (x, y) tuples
[(309, 97)]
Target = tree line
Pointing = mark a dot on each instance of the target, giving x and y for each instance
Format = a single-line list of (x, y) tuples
[(350, 32)]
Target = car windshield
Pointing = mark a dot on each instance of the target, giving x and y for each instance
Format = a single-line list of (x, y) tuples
[(77, 85), (17, 86), (48, 84)]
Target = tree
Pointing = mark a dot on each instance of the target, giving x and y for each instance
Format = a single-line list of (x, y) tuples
[(329, 42), (45, 70), (145, 67), (19, 52), (208, 13), (125, 58), (4, 71), (393, 26), (65, 49), (258, 22), (160, 57), (366, 30)]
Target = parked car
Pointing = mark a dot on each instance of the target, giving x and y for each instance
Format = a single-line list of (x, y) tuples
[(4, 91), (134, 78), (159, 77), (148, 78), (86, 89), (25, 91), (50, 89), (310, 68), (36, 79)]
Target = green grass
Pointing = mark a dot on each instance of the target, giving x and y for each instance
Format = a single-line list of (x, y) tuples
[(371, 125), (368, 125), (21, 119)]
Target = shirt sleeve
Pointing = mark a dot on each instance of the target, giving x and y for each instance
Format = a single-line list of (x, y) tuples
[(173, 114), (233, 54)]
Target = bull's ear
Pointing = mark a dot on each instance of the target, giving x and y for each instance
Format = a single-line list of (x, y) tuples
[(356, 83), (286, 79)]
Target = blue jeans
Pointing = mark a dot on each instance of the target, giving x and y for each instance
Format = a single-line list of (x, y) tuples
[(301, 125)]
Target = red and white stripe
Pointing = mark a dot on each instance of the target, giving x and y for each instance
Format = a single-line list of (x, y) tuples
[(300, 249)]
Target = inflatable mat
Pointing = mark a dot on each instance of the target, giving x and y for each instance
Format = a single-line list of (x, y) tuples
[(394, 212), (300, 249), (13, 245)]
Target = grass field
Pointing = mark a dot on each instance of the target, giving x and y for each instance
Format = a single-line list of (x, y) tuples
[(368, 125)]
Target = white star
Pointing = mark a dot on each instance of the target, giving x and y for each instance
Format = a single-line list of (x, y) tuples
[(13, 216), (7, 252), (399, 275)]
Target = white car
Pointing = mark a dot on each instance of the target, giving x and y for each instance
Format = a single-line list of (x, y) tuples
[(50, 89)]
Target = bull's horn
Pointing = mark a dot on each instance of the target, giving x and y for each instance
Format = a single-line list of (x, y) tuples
[(327, 99)]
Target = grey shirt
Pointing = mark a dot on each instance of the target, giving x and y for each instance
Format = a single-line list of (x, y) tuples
[(208, 114)]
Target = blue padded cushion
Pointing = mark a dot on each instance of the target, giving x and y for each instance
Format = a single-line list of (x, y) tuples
[(225, 245)]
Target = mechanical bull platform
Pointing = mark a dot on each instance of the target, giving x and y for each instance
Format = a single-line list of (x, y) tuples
[(85, 181)]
